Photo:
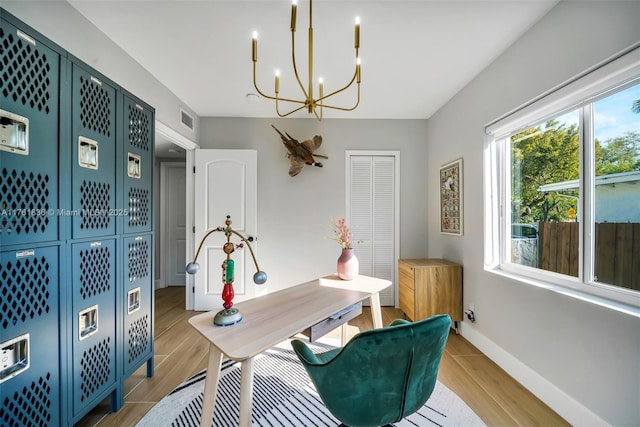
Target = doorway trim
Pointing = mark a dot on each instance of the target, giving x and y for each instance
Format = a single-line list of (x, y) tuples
[(189, 146)]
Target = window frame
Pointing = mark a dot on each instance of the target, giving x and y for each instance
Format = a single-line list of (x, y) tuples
[(579, 94)]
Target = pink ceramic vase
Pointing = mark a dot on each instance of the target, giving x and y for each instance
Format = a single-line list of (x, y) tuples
[(347, 265)]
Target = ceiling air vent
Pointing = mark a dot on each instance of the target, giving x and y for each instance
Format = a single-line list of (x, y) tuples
[(186, 119)]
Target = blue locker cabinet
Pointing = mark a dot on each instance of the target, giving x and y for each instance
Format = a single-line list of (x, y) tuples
[(76, 233), (29, 349), (29, 134), (93, 313), (138, 162), (93, 146), (138, 303)]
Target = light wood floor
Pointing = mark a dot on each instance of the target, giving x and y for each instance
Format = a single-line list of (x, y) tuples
[(180, 352)]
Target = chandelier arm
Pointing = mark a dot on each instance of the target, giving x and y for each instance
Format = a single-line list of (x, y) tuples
[(295, 68), (274, 98), (339, 90), (343, 108), (290, 112)]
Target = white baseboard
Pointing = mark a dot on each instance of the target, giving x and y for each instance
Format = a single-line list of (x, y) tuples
[(566, 406)]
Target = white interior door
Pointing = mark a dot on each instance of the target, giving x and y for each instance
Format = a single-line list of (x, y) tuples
[(174, 223), (225, 184), (372, 208)]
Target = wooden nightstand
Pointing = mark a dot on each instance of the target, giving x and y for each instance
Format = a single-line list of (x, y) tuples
[(429, 287)]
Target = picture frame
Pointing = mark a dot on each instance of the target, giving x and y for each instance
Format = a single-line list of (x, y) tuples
[(451, 198)]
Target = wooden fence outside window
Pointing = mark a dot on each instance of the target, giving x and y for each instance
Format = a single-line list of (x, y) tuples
[(617, 255)]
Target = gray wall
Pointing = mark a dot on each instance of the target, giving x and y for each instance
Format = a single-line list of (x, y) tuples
[(294, 213), (61, 23), (585, 353)]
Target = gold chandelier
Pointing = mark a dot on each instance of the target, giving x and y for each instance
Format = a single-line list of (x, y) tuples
[(310, 103)]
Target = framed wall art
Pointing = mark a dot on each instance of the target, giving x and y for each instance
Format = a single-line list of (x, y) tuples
[(451, 197)]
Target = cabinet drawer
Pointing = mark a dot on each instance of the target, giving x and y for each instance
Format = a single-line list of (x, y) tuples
[(405, 275), (406, 300)]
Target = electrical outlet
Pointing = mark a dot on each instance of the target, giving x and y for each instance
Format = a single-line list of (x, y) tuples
[(470, 315)]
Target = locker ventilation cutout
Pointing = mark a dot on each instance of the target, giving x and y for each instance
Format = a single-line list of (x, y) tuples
[(138, 260), (20, 190), (95, 275), (96, 368), (24, 290), (23, 72), (138, 337), (138, 207), (95, 200), (29, 407), (139, 128), (95, 108)]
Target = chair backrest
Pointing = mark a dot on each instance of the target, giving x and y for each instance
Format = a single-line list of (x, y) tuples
[(383, 375)]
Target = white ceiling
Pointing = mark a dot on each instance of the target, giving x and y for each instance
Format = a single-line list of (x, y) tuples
[(416, 54)]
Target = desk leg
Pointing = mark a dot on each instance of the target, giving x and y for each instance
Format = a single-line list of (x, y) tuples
[(246, 392), (376, 311), (211, 385), (343, 334)]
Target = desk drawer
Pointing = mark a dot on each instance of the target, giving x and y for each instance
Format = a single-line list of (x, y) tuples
[(330, 323)]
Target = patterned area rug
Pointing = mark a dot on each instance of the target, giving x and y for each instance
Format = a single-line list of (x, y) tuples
[(284, 396)]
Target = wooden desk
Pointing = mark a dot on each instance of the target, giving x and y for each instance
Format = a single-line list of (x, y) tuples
[(272, 318)]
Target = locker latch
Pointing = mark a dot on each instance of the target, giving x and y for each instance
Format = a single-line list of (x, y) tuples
[(14, 133), (133, 297), (88, 322), (14, 357)]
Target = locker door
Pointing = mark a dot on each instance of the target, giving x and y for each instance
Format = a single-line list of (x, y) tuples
[(94, 322), (29, 133), (138, 293), (29, 375), (93, 144), (138, 170)]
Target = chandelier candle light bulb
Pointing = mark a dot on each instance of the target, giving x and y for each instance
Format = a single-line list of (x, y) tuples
[(294, 9), (254, 46)]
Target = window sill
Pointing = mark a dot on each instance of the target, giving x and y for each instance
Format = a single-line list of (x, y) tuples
[(620, 307)]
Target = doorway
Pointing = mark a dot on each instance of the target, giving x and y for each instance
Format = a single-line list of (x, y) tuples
[(170, 203), (173, 222)]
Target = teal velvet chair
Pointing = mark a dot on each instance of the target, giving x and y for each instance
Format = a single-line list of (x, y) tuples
[(382, 375)]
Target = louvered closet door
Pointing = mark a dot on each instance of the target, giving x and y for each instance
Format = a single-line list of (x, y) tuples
[(372, 212)]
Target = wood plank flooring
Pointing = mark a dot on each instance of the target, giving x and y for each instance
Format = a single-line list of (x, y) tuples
[(180, 352)]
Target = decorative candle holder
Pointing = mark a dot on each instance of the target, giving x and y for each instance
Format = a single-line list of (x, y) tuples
[(229, 315)]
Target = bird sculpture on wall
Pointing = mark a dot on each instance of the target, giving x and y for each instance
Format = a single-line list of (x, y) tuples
[(301, 153)]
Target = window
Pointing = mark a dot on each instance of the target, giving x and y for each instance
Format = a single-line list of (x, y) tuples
[(562, 189)]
